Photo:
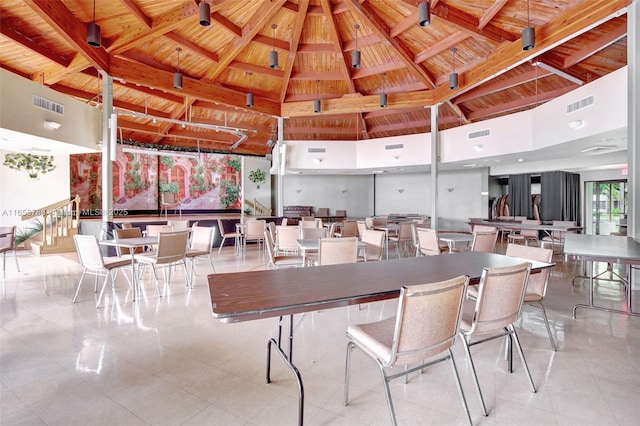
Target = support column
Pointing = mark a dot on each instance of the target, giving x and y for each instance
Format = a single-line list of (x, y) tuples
[(435, 159), (108, 148), (633, 127), (281, 168)]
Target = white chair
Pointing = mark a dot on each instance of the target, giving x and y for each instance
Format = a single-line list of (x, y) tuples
[(420, 335), (94, 263), (169, 200), (172, 248), (200, 247), (280, 261), (428, 242), (313, 233), (7, 244), (254, 231), (333, 251), (403, 237), (178, 225), (497, 306), (234, 234), (287, 239), (525, 235), (374, 245)]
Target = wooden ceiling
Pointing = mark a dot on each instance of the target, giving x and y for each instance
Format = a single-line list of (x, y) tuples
[(46, 41)]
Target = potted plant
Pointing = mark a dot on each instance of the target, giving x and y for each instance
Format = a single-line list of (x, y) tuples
[(258, 176)]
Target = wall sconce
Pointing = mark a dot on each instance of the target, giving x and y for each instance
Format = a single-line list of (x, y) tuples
[(478, 148), (344, 191), (450, 189), (317, 160), (52, 125), (400, 191), (576, 124), (298, 191)]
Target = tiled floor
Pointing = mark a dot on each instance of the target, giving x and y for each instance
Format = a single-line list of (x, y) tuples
[(166, 361)]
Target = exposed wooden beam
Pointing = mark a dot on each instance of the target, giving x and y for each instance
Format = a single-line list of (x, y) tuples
[(497, 85), (378, 69), (381, 128), (195, 48), (471, 23), (357, 104), (386, 112), (53, 73), (15, 71), (606, 40), (148, 76), (367, 40), (230, 123), (127, 124), (257, 69), (316, 75), (260, 18), (441, 46), (294, 46), (290, 6), (491, 12), (337, 43), (318, 130), (137, 12), (518, 103), (19, 38), (269, 41), (458, 111), (73, 31), (366, 14), (140, 58), (226, 24), (403, 25), (153, 92), (316, 48)]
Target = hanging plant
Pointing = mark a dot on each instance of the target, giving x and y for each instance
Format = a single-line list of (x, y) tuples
[(258, 177), (32, 164)]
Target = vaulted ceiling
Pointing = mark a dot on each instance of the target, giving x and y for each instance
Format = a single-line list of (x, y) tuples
[(577, 41)]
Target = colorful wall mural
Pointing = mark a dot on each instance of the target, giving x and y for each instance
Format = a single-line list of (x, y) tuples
[(208, 182)]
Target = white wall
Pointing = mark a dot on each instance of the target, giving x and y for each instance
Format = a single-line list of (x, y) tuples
[(250, 189), (18, 192)]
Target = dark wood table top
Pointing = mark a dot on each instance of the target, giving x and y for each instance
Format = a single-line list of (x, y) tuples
[(244, 296)]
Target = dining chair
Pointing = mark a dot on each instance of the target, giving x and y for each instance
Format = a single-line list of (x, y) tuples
[(537, 284), (172, 248), (420, 335), (361, 227), (557, 237), (333, 251), (232, 234), (428, 242), (119, 234), (349, 229), (341, 213), (93, 263), (284, 221), (309, 224), (525, 235), (272, 230), (200, 246), (254, 231), (155, 230), (332, 230), (403, 237), (374, 245), (492, 314), (368, 222), (322, 211), (313, 233), (7, 244), (287, 239), (484, 240), (280, 261), (178, 225), (169, 200)]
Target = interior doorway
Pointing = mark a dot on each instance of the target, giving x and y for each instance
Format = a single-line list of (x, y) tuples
[(606, 207)]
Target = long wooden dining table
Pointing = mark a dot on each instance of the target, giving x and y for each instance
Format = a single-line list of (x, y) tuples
[(245, 296)]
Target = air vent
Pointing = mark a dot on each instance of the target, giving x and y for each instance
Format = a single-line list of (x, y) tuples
[(394, 146), (582, 103), (479, 134), (48, 105), (316, 150)]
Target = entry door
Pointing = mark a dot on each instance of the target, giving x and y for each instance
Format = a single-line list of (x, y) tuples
[(608, 206)]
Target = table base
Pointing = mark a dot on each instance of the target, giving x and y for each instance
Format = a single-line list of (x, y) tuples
[(627, 311)]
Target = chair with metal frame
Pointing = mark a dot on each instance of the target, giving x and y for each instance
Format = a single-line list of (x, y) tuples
[(374, 245), (172, 248), (169, 200), (7, 244), (420, 335), (287, 239), (333, 251), (403, 237), (200, 246), (525, 235), (280, 261), (236, 235), (92, 261), (428, 242), (497, 307)]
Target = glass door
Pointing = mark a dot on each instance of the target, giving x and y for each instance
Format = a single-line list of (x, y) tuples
[(608, 206)]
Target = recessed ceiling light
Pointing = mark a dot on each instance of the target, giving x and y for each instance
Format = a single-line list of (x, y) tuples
[(520, 160)]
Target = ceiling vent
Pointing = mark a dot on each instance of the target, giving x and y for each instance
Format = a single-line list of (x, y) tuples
[(394, 146), (316, 150), (48, 105), (479, 134), (582, 103)]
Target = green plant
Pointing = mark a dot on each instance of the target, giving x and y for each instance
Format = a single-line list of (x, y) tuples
[(167, 161), (169, 187), (258, 176), (32, 164), (232, 192), (248, 211), (235, 164), (24, 234)]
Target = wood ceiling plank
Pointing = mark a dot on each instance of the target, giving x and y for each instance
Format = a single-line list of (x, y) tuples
[(244, 66), (498, 85), (367, 40), (290, 6), (137, 12), (146, 60), (491, 12), (569, 23), (379, 27), (519, 103), (321, 130), (270, 42), (336, 40), (316, 48), (72, 30), (148, 76), (46, 53), (53, 73), (169, 21), (260, 18), (589, 49), (471, 23), (403, 25), (15, 71), (459, 112), (317, 75), (294, 46), (127, 124), (195, 48), (378, 69), (385, 112), (381, 128), (441, 46)]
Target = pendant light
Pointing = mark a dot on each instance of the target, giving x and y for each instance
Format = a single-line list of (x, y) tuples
[(453, 77), (250, 94), (273, 55), (177, 76), (528, 34), (424, 14), (205, 14), (383, 95), (316, 103), (93, 30), (355, 55)]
